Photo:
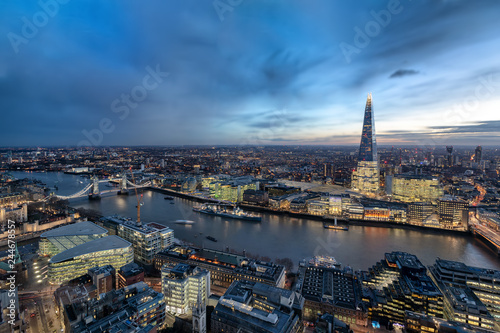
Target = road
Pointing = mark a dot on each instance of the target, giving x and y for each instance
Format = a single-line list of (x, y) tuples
[(38, 297), (482, 228), (491, 235), (46, 318)]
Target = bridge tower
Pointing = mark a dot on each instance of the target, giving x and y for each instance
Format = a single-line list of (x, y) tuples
[(123, 185), (94, 190)]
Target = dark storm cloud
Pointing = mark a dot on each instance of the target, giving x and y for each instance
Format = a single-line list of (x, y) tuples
[(230, 77), (403, 72)]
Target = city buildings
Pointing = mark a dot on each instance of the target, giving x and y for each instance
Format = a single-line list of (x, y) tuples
[(13, 207), (453, 213), (233, 189), (328, 289), (484, 283), (478, 153), (418, 212), (399, 283), (184, 287), (366, 178), (254, 307), (76, 261), (462, 305), (135, 308), (66, 237), (256, 197), (416, 188), (224, 267), (129, 274), (147, 240), (418, 322), (104, 278)]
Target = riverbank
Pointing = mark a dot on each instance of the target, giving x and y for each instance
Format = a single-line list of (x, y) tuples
[(340, 220), (281, 235)]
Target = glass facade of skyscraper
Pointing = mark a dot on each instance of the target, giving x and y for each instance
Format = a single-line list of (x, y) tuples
[(366, 179), (111, 250), (66, 237)]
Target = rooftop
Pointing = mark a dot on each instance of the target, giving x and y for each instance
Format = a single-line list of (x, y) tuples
[(76, 229), (97, 245), (426, 177), (238, 304), (130, 269), (461, 267), (224, 257)]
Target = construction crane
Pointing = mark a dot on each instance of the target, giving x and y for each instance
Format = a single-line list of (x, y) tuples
[(139, 199)]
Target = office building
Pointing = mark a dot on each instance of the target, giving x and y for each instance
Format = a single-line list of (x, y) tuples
[(450, 156), (66, 237), (418, 212), (462, 305), (233, 189), (104, 278), (224, 267), (184, 287), (328, 289), (69, 264), (328, 170), (453, 213), (129, 274), (399, 283), (416, 188), (256, 197), (135, 307), (418, 323), (319, 207), (478, 154), (366, 178), (485, 283), (147, 240), (254, 307)]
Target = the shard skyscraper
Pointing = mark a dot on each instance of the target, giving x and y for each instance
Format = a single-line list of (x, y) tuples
[(366, 179), (368, 146)]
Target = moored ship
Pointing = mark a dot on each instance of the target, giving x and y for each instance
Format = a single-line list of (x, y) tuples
[(334, 226), (222, 211), (211, 238)]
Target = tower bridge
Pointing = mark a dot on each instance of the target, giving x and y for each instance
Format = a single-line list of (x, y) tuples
[(93, 191)]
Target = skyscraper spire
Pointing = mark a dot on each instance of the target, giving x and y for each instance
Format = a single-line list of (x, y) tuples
[(366, 179), (368, 146)]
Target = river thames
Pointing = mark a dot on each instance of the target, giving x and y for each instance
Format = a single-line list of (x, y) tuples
[(279, 236)]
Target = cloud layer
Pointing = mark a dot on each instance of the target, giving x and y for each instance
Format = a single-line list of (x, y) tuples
[(268, 72)]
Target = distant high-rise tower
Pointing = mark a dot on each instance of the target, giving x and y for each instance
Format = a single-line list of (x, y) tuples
[(368, 146), (449, 149), (478, 154), (366, 179)]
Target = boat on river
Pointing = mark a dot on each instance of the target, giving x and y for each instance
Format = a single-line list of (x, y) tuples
[(223, 211)]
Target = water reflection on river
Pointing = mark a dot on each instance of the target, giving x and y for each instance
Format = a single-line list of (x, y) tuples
[(280, 236)]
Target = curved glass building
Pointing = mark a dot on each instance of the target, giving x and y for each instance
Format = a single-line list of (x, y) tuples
[(76, 261), (66, 237)]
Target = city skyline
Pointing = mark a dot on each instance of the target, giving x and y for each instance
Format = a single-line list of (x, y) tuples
[(254, 73)]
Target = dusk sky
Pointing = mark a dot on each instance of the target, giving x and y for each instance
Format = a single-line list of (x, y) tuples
[(254, 72)]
